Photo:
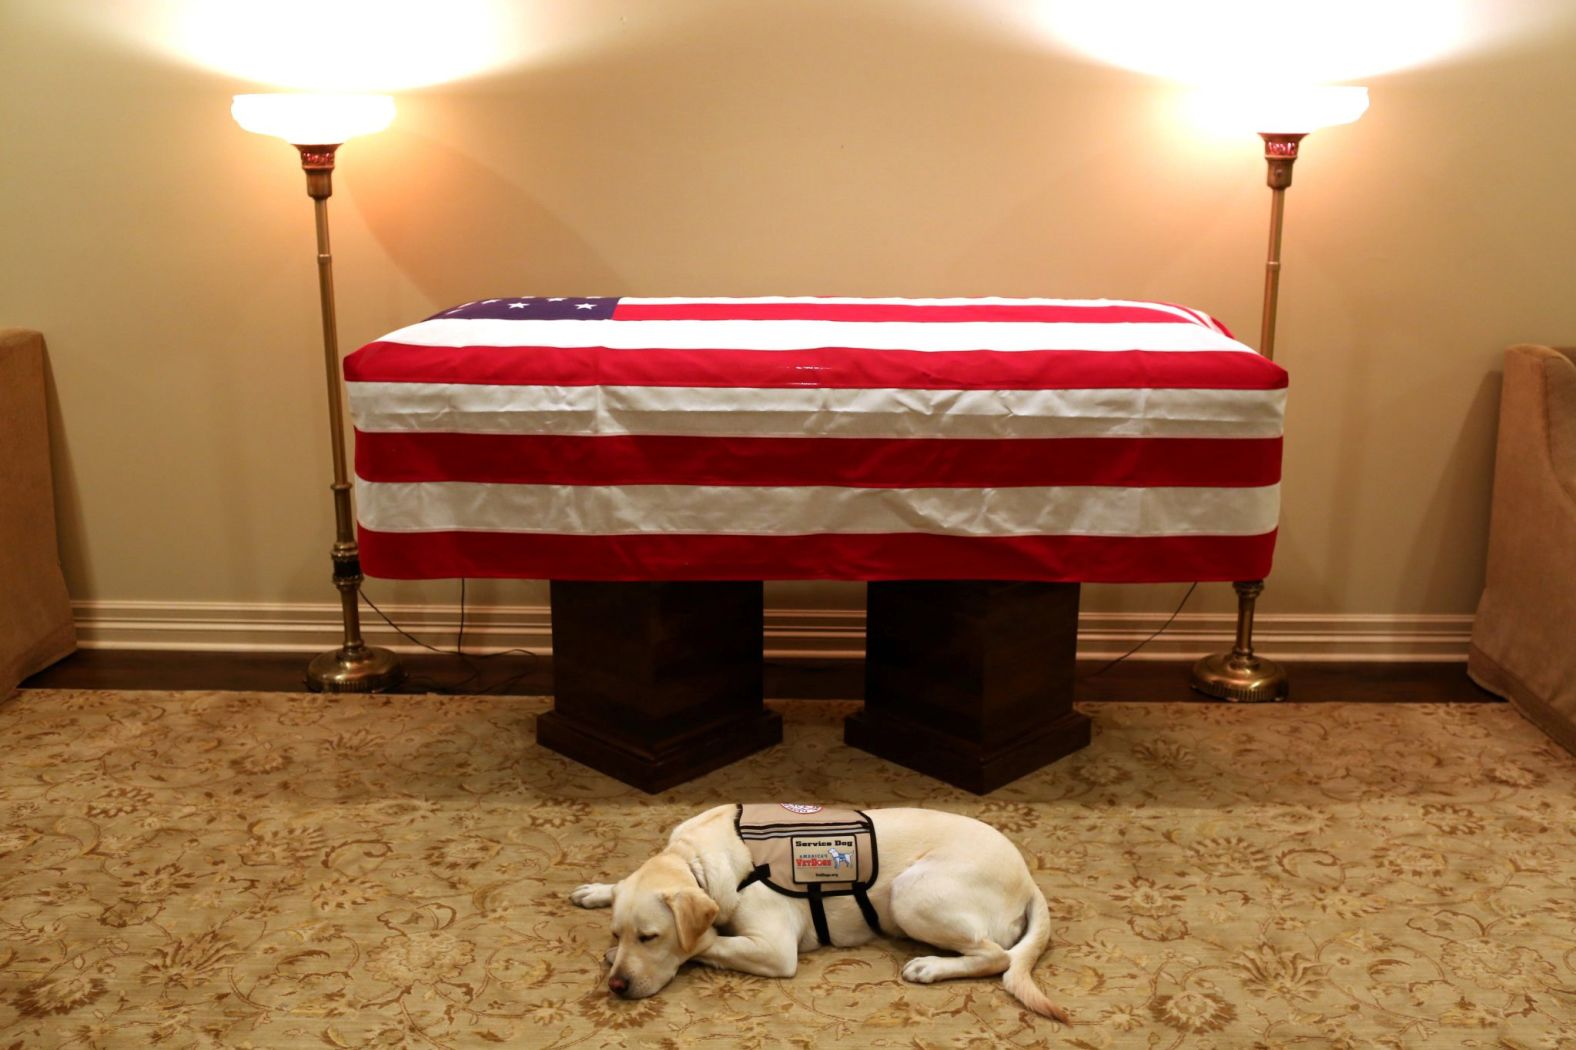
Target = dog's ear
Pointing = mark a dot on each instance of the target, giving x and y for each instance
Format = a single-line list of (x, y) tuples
[(693, 913)]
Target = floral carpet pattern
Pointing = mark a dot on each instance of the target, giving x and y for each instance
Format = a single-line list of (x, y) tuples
[(278, 871)]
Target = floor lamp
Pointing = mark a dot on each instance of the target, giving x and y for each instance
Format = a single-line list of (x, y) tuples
[(318, 125), (1241, 675)]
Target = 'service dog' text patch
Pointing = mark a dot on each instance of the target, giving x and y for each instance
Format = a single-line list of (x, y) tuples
[(832, 858)]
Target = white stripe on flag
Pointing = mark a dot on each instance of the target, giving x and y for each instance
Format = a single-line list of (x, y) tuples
[(991, 300), (790, 511), (805, 335), (473, 408)]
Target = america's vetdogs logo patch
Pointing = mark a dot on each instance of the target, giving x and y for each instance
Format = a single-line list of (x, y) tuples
[(800, 808)]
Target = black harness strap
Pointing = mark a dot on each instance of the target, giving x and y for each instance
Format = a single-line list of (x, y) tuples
[(818, 904), (818, 915), (867, 909)]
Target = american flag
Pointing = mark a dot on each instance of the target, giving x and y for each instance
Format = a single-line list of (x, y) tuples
[(816, 438)]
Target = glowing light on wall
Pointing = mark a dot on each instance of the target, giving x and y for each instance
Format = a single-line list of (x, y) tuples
[(1302, 41), (343, 45), (335, 45)]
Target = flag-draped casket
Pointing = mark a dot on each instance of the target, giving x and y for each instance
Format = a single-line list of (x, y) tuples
[(816, 438)]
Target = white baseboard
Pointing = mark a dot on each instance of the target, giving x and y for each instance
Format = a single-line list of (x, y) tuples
[(825, 633)]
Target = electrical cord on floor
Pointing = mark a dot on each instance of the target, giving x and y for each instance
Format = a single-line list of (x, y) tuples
[(460, 688), (1175, 612)]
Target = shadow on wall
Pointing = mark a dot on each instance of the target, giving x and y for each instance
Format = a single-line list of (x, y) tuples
[(1451, 518), (1453, 529), (70, 524), (743, 155), (461, 231)]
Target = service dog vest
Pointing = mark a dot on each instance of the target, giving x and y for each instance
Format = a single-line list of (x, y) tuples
[(811, 852)]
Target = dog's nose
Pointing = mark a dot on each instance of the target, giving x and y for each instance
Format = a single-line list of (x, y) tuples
[(618, 984)]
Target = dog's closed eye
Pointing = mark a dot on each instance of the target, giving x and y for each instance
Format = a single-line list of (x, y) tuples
[(646, 937)]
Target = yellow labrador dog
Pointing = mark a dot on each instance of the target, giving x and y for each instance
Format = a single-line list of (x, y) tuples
[(944, 879)]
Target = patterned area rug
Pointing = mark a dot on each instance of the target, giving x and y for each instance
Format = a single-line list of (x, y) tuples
[(280, 871)]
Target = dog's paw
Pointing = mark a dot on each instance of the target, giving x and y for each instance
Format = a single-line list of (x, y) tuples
[(611, 952), (924, 970), (592, 895)]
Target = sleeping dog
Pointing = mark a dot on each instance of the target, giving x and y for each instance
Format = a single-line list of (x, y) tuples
[(944, 879)]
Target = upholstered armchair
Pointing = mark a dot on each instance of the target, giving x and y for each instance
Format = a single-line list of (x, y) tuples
[(1524, 638), (35, 611)]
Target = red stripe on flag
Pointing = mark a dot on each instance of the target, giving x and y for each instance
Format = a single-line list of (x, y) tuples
[(1069, 313), (827, 367), (540, 459), (1088, 559)]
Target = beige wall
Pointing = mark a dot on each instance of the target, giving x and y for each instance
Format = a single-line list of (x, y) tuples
[(737, 148)]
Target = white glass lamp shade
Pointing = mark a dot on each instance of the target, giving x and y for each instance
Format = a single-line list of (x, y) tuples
[(1283, 111), (313, 120)]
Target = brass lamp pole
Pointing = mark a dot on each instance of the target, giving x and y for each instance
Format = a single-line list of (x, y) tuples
[(317, 126), (1241, 675)]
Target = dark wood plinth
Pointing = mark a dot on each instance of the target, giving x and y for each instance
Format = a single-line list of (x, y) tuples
[(657, 683), (969, 681)]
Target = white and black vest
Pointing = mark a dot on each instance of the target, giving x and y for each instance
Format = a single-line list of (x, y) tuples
[(811, 852)]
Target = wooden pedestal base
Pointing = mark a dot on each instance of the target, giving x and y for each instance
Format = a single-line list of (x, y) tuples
[(657, 683), (968, 681)]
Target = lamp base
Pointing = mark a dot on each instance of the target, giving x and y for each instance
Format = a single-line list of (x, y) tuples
[(1240, 678), (363, 669)]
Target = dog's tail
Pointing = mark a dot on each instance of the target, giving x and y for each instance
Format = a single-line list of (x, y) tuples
[(1019, 977)]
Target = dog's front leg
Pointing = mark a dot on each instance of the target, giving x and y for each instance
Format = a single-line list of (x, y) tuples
[(763, 954), (596, 895), (593, 895)]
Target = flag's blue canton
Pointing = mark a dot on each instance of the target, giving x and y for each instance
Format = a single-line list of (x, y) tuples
[(557, 308)]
